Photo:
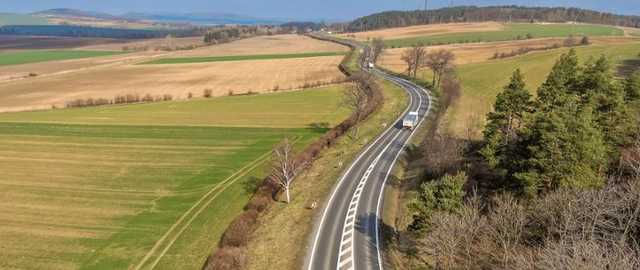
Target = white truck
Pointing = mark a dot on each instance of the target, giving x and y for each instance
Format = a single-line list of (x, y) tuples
[(371, 65), (410, 121)]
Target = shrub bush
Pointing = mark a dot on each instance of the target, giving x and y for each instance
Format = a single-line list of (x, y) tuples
[(237, 234), (226, 259), (207, 93)]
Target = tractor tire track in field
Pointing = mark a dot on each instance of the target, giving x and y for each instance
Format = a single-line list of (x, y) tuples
[(200, 205)]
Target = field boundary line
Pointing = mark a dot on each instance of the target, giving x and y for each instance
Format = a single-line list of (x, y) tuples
[(213, 189), (202, 207)]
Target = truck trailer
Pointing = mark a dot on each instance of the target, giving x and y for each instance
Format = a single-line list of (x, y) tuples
[(410, 121)]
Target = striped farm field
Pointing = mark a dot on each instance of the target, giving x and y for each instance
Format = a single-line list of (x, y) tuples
[(96, 189), (511, 31)]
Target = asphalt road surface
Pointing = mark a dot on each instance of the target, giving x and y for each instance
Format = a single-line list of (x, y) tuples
[(347, 235)]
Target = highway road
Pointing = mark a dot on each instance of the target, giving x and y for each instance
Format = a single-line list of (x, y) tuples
[(347, 234)]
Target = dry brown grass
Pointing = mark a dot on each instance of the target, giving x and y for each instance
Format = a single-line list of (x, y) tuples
[(427, 30), (481, 52), (59, 82)]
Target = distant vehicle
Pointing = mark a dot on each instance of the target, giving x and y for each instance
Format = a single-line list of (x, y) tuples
[(410, 121), (371, 65)]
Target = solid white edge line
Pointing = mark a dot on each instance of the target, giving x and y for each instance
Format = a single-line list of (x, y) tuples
[(344, 175), (381, 195)]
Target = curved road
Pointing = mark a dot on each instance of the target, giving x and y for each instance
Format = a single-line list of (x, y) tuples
[(347, 235)]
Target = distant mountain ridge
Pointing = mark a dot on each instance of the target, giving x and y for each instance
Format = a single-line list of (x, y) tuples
[(390, 19), (203, 18), (67, 12), (200, 18)]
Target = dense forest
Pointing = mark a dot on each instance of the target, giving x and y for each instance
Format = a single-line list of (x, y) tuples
[(553, 184), (496, 13), (93, 32)]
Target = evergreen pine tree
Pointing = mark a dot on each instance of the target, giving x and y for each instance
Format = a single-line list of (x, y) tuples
[(598, 87), (445, 194), (632, 87), (504, 124), (565, 148), (560, 82)]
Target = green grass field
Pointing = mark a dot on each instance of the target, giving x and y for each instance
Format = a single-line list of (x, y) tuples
[(37, 56), (20, 19), (149, 186), (511, 32), (481, 82), (191, 60)]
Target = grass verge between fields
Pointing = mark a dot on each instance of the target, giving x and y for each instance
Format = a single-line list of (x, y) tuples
[(192, 60)]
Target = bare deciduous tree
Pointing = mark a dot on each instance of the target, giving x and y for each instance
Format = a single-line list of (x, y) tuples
[(377, 47), (284, 166), (451, 89), (450, 243), (507, 222), (414, 57), (356, 98), (631, 158), (439, 62)]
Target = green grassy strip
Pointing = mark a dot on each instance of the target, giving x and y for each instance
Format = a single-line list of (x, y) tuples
[(37, 56), (511, 32), (187, 60)]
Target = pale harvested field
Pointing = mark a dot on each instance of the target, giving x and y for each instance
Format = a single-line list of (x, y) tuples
[(481, 52), (151, 43), (279, 44), (177, 80), (59, 82), (427, 30), (257, 45), (54, 68), (631, 32), (15, 72)]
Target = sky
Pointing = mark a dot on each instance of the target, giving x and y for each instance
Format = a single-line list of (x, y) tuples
[(296, 9)]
